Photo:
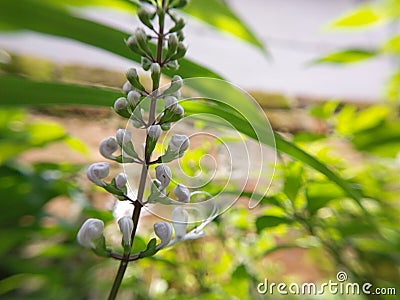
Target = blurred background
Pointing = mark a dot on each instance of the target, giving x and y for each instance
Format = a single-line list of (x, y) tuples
[(326, 74)]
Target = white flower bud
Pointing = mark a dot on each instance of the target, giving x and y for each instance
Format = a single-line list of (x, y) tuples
[(154, 131), (164, 175), (90, 231), (171, 102), (164, 231), (182, 192), (108, 146), (123, 136), (126, 227), (155, 68), (178, 143), (120, 180), (127, 87), (140, 33), (133, 97), (120, 104), (177, 80), (180, 219), (98, 171), (179, 110)]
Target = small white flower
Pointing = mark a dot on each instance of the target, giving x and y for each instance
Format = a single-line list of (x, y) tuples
[(164, 175), (182, 192), (108, 146), (98, 171), (178, 143), (120, 104), (133, 97), (90, 231), (154, 131), (170, 102), (164, 231), (120, 180), (180, 219), (126, 227), (123, 136), (155, 68)]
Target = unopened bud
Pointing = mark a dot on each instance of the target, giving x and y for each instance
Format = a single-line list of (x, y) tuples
[(170, 102), (145, 16), (154, 132), (121, 180), (180, 219), (90, 232), (155, 70), (120, 104), (173, 65), (133, 78), (127, 87), (178, 143), (98, 171), (164, 231), (182, 192), (146, 63), (164, 175), (126, 227), (108, 146), (133, 98), (123, 136)]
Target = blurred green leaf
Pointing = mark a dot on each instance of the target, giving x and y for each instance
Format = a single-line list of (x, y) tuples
[(362, 16), (347, 56), (319, 194), (265, 222), (392, 46), (150, 248), (294, 180)]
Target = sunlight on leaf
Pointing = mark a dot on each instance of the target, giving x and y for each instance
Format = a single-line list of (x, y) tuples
[(362, 16)]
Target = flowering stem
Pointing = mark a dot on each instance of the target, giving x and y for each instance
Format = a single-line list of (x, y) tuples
[(138, 204)]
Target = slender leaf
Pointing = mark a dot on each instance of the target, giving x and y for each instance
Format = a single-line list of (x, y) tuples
[(264, 222), (346, 56), (362, 16)]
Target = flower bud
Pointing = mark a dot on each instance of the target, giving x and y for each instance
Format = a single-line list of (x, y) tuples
[(170, 102), (178, 143), (133, 98), (123, 136), (127, 87), (180, 52), (91, 231), (179, 110), (164, 175), (172, 45), (133, 78), (155, 70), (126, 227), (180, 219), (98, 171), (164, 231), (182, 192), (145, 17), (108, 146), (154, 132), (141, 39), (176, 85), (120, 104), (121, 180)]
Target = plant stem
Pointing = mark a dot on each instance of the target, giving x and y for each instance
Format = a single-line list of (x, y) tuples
[(143, 177)]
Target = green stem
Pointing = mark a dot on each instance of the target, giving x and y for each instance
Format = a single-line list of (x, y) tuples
[(143, 177)]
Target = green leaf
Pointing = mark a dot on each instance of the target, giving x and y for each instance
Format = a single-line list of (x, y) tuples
[(265, 222), (392, 46), (293, 180), (362, 16), (346, 57), (150, 249), (319, 194), (48, 19), (218, 14)]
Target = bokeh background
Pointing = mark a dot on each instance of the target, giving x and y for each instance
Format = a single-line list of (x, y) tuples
[(326, 74)]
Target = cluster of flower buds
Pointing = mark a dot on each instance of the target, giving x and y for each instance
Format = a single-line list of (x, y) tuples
[(119, 148)]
